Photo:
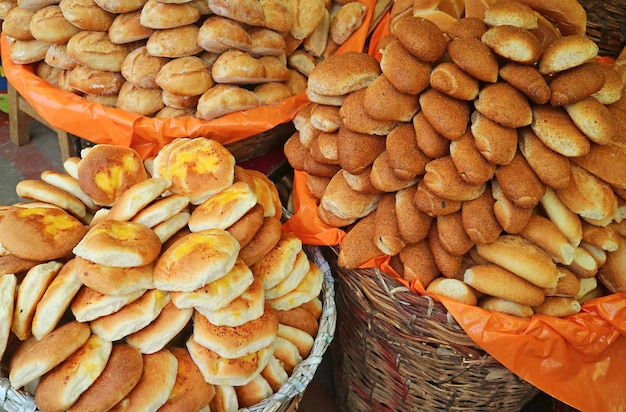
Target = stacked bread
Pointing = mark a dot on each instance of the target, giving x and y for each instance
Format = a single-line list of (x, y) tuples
[(177, 290), (183, 58), (480, 154)]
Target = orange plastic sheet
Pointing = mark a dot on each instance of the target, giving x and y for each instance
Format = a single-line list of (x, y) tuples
[(578, 359), (99, 124)]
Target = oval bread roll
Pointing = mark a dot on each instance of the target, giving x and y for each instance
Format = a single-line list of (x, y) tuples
[(453, 289), (496, 281)]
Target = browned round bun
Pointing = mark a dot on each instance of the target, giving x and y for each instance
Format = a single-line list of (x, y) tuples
[(140, 67), (127, 28), (170, 112), (479, 220), (188, 274), (132, 317), (306, 18), (61, 387), (40, 234), (448, 78), (406, 159), (287, 353), (511, 13), (56, 56), (552, 168), (16, 24), (140, 100), (343, 73), (513, 43), (325, 118), (346, 203), (112, 280), (396, 62), (264, 240), (87, 15), (162, 330), (239, 341), (247, 226), (257, 389), (495, 142), (382, 101), (41, 191), (613, 85), (94, 81), (106, 171), (413, 224), (225, 398), (119, 244), (155, 385), (522, 257), (272, 92), (121, 6), (47, 353), (557, 130), (454, 124), (275, 266), (298, 272), (218, 34), (357, 151), (120, 375), (567, 52), (520, 183), (504, 104), (443, 179), (299, 318), (468, 26), (496, 281), (160, 15), (588, 196), (546, 234), (610, 273), (28, 51), (50, 25), (528, 80), (421, 37), (429, 141), (224, 208), (237, 67), (430, 203), (190, 392), (175, 42), (222, 99), (572, 85), (470, 164), (178, 160), (474, 57)]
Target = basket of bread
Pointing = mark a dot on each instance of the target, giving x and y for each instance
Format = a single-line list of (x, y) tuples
[(158, 284), (468, 174), (141, 73)]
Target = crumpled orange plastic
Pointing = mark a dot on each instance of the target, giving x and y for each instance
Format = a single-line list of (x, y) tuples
[(99, 124), (579, 359)]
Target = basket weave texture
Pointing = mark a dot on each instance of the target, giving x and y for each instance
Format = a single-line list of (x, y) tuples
[(605, 24), (286, 399), (398, 351)]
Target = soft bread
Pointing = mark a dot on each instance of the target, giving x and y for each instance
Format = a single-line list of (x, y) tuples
[(127, 28), (496, 281), (174, 42), (453, 289), (49, 25), (567, 52), (300, 269), (184, 76), (246, 307), (343, 73), (421, 37), (513, 43), (137, 197), (122, 372), (474, 57), (8, 287), (506, 306), (42, 191), (87, 15), (264, 240), (396, 61), (382, 101), (113, 280), (160, 15), (119, 244), (161, 209), (88, 304), (308, 288), (60, 388), (154, 386), (140, 100), (183, 266), (161, 331), (275, 266), (224, 208)]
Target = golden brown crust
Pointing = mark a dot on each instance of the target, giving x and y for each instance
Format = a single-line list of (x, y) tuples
[(406, 159), (472, 167), (358, 245), (474, 57), (421, 37), (449, 79), (558, 131), (87, 15), (451, 125), (504, 104), (355, 118), (479, 220), (343, 73), (496, 281), (413, 224), (140, 67), (263, 241), (559, 55), (428, 139), (520, 183), (356, 151), (551, 167), (383, 102), (159, 15), (572, 85), (527, 80), (396, 62), (513, 43)]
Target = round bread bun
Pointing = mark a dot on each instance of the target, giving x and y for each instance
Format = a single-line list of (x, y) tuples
[(504, 104), (28, 51), (137, 197), (190, 392), (8, 288), (264, 240), (155, 385), (160, 15), (539, 156), (50, 25), (56, 300), (16, 24), (475, 58), (247, 226), (87, 15), (287, 353), (127, 28), (40, 233), (495, 142), (95, 50), (558, 306), (119, 244), (161, 209), (513, 43), (122, 372), (346, 203), (343, 73), (506, 306), (140, 100), (496, 281), (179, 163), (219, 293), (106, 171), (296, 275), (421, 37), (114, 280), (274, 374), (448, 78), (299, 318), (254, 391), (239, 341), (39, 190), (382, 101), (44, 354), (171, 226), (57, 57), (233, 372), (225, 398), (452, 126), (121, 6), (222, 99), (275, 266), (356, 119), (245, 308), (223, 208), (528, 80), (140, 68), (519, 182), (219, 34), (443, 179), (185, 267), (186, 105), (174, 43), (88, 304), (309, 287), (132, 317), (162, 330), (469, 26), (594, 119), (302, 340), (567, 52)]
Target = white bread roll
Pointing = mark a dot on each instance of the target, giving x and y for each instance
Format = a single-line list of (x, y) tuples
[(8, 287), (496, 281)]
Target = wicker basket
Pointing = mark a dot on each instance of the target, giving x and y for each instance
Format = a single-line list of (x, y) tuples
[(605, 24), (398, 351), (286, 399)]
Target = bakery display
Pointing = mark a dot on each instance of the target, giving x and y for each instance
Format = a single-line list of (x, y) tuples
[(205, 44), (115, 314), (485, 154)]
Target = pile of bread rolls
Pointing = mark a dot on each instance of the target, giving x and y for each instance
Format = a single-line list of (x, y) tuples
[(482, 153), (162, 284), (178, 58)]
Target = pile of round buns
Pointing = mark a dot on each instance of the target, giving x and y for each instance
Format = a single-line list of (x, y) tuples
[(178, 58), (483, 154), (167, 283)]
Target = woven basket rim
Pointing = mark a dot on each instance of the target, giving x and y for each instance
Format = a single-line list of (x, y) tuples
[(14, 400)]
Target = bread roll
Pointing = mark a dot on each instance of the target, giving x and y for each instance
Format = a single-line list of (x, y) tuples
[(121, 6), (506, 306), (558, 306), (448, 264), (159, 15), (421, 37), (522, 257), (568, 221), (472, 167), (28, 51), (87, 15), (356, 151), (127, 28), (567, 52), (496, 281), (38, 190), (428, 139), (495, 142), (384, 178), (453, 124), (8, 288), (16, 24), (452, 235), (511, 218), (50, 25), (474, 57), (479, 220), (396, 61), (383, 102), (343, 73), (520, 183), (56, 56), (358, 245), (174, 42), (453, 289), (448, 78), (307, 15), (443, 179), (406, 159), (528, 80), (222, 99), (572, 85), (504, 104), (413, 224), (552, 168), (611, 91), (510, 13), (431, 203), (588, 196), (217, 34), (263, 240), (594, 119)]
